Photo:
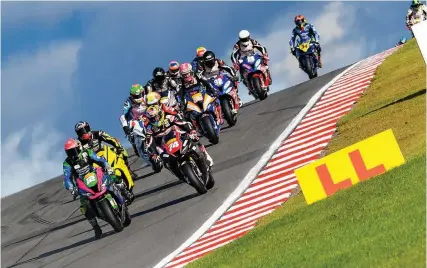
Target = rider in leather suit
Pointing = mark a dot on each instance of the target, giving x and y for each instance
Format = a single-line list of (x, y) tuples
[(197, 62), (415, 11), (190, 81), (246, 45), (174, 74), (212, 66), (79, 160), (304, 28), (133, 108), (160, 118)]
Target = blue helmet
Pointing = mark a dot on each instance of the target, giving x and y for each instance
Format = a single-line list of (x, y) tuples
[(403, 40)]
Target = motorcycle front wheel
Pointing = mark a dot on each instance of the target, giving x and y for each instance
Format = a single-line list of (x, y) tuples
[(226, 105), (256, 85), (209, 129), (109, 215), (194, 180)]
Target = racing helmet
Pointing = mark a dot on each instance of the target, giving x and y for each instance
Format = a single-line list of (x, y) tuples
[(137, 93), (174, 68), (72, 148), (186, 71), (83, 130), (209, 59), (244, 37), (402, 40), (416, 3), (154, 110), (159, 74), (299, 20), (199, 53)]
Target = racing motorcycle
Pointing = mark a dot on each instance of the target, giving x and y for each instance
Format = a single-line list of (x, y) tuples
[(119, 167), (186, 160), (256, 75), (222, 83), (104, 198), (138, 129), (201, 108), (307, 56)]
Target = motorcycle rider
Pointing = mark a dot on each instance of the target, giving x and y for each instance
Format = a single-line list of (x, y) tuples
[(174, 74), (197, 63), (162, 84), (303, 28), (189, 82), (245, 46), (78, 160), (417, 10), (92, 139), (212, 66), (133, 108), (401, 41), (160, 118)]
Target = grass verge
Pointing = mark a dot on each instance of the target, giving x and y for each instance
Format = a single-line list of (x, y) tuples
[(377, 223)]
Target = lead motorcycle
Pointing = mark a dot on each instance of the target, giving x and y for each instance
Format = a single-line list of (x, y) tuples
[(186, 160), (104, 197), (222, 83), (201, 107), (307, 56), (256, 74)]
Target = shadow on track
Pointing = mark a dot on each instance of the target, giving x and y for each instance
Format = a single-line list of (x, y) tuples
[(283, 109), (59, 250), (158, 188), (165, 205)]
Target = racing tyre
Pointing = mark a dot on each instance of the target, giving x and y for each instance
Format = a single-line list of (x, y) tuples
[(193, 179), (128, 219), (110, 216), (256, 83), (211, 182), (210, 131), (227, 110)]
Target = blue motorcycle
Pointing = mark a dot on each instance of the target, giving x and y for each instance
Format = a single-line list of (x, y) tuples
[(307, 56), (228, 98), (201, 108), (255, 73)]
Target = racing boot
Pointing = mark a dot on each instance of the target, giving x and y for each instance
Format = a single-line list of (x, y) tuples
[(319, 60), (96, 228), (208, 157)]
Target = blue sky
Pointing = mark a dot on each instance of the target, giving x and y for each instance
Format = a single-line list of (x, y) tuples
[(68, 61)]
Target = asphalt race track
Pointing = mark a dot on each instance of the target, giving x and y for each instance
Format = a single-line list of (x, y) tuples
[(42, 226)]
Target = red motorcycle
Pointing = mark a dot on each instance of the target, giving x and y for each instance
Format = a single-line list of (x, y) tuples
[(186, 160)]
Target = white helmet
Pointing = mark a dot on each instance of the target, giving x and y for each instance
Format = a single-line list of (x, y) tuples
[(244, 35)]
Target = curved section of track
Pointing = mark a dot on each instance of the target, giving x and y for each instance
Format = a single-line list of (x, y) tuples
[(42, 227)]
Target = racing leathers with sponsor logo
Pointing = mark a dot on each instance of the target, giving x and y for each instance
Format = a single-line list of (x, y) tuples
[(417, 12), (303, 28)]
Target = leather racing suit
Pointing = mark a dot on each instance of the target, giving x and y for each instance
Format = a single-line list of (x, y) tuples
[(309, 30)]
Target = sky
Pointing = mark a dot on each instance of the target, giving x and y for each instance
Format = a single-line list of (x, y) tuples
[(62, 62)]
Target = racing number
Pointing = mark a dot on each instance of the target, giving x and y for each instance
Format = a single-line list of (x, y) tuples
[(173, 145)]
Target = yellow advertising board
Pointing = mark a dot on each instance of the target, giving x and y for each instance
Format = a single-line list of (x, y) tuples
[(355, 163)]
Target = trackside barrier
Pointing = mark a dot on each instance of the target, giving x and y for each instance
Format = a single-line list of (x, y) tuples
[(420, 33), (349, 166)]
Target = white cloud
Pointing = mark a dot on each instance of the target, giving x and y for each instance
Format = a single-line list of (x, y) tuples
[(339, 46), (37, 86), (39, 162)]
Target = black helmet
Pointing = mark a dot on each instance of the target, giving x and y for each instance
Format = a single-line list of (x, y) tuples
[(159, 74), (82, 130), (209, 59)]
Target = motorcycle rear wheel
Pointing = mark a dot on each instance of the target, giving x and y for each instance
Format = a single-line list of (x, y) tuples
[(194, 180), (110, 216)]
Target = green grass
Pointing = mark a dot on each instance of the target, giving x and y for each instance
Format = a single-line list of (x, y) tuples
[(377, 223)]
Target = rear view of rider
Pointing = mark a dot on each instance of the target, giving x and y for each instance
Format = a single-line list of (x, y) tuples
[(197, 63), (191, 82), (303, 28), (212, 66), (161, 118), (417, 10), (78, 161), (245, 46), (133, 108)]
